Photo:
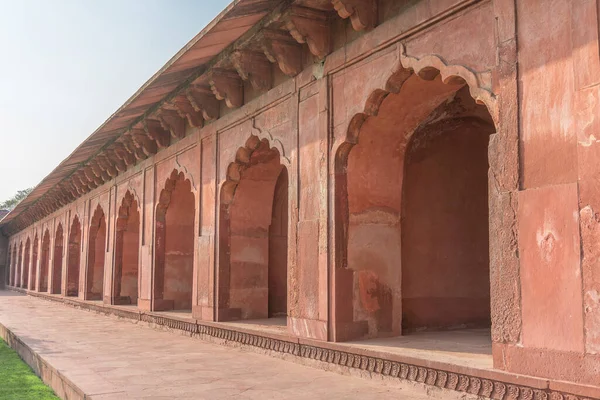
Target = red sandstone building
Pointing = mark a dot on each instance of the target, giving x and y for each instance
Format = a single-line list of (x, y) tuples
[(352, 170)]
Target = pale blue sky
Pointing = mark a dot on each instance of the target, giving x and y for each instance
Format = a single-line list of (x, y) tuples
[(66, 65)]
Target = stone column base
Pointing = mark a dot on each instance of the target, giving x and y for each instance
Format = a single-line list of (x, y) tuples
[(203, 313)]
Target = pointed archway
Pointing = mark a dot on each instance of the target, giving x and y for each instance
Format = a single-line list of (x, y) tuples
[(44, 262), (20, 266), (174, 245), (14, 266), (96, 256), (26, 259), (126, 273), (407, 178), (34, 262), (57, 261), (9, 272), (253, 236), (73, 258)]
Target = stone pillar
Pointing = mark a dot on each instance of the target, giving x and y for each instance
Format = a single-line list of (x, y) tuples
[(308, 284), (146, 257), (205, 252), (4, 267), (109, 246)]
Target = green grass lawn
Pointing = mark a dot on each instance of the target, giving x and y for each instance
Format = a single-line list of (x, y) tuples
[(17, 380)]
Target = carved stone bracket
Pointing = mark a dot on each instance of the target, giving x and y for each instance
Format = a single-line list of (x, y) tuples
[(280, 48), (115, 160), (131, 147), (227, 85), (254, 67), (171, 121), (123, 154), (85, 181), (362, 13), (107, 166), (202, 100), (89, 173), (99, 170), (80, 183), (140, 138), (185, 110), (310, 26), (156, 132)]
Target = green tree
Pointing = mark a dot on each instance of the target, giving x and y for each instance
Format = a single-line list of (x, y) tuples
[(13, 201)]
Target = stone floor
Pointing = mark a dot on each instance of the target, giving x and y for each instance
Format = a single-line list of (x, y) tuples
[(108, 358)]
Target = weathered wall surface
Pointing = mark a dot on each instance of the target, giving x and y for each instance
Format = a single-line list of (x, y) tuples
[(340, 129), (4, 261)]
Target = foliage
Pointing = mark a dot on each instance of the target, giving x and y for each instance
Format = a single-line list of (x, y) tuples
[(13, 201), (18, 380)]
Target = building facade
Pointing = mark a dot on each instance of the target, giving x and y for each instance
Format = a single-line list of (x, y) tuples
[(355, 169)]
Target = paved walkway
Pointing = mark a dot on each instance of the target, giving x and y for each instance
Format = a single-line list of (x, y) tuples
[(114, 359)]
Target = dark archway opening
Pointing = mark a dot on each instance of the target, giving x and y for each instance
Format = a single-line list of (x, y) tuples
[(253, 273), (20, 266), (125, 289), (73, 258), (445, 243), (174, 246), (9, 271), (44, 262), (57, 261), (26, 260), (14, 266), (96, 256), (34, 262)]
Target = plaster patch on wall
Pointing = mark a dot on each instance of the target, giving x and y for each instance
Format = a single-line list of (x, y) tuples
[(589, 141), (546, 240)]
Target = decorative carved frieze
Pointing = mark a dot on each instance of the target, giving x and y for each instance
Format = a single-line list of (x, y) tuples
[(282, 49), (429, 376), (254, 67), (227, 85), (362, 13), (202, 99), (310, 26), (156, 132)]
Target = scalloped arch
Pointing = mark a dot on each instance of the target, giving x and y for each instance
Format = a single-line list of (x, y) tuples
[(98, 214), (427, 68), (164, 198), (273, 141), (128, 198), (450, 73), (242, 158)]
